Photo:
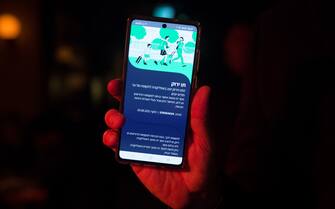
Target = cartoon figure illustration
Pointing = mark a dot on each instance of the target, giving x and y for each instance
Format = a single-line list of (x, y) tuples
[(179, 48), (163, 47), (146, 55), (170, 56)]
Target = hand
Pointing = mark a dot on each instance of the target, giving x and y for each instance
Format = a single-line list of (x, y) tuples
[(191, 187)]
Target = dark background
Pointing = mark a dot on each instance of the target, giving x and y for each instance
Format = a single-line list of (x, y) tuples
[(53, 97)]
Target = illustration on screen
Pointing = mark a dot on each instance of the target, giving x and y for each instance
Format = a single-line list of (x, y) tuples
[(162, 49)]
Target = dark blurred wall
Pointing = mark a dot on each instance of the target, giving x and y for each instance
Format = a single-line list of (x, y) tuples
[(54, 77), (20, 61)]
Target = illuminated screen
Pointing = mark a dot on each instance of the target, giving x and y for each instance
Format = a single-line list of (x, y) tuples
[(161, 57)]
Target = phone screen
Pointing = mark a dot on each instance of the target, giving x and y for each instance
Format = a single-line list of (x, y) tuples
[(161, 60)]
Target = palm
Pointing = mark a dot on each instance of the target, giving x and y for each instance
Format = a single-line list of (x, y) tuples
[(173, 186)]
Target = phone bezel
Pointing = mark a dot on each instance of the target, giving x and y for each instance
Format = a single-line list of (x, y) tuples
[(193, 84)]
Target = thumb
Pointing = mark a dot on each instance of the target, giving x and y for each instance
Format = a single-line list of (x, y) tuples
[(199, 112)]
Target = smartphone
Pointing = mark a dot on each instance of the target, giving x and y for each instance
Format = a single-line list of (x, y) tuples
[(159, 72)]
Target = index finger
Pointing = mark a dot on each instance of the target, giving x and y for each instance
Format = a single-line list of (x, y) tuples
[(114, 87)]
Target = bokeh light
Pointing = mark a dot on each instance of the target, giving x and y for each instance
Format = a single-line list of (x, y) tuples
[(164, 10), (10, 27)]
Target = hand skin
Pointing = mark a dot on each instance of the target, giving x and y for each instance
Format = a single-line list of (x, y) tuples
[(195, 185)]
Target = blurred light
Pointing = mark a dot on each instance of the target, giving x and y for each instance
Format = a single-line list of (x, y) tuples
[(68, 55), (65, 54), (10, 27), (97, 90), (164, 10), (55, 86), (75, 81)]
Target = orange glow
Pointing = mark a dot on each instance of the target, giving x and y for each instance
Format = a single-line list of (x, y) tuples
[(10, 26)]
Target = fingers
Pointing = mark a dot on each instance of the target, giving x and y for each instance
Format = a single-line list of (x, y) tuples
[(199, 111), (114, 119), (110, 139), (114, 87), (199, 108)]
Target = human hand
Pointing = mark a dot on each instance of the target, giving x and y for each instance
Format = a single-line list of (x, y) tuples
[(195, 185)]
